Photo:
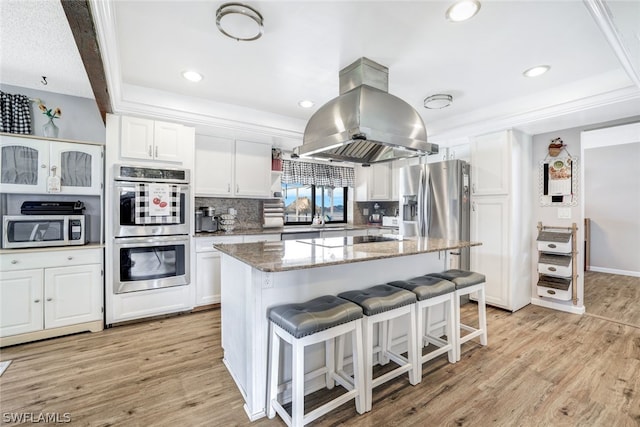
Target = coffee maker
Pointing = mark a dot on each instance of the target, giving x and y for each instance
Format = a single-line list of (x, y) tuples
[(209, 220)]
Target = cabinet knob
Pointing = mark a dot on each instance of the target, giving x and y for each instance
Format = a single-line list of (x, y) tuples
[(36, 301), (49, 299), (69, 258), (43, 166), (14, 261)]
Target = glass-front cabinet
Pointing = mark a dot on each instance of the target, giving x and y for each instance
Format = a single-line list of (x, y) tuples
[(30, 165)]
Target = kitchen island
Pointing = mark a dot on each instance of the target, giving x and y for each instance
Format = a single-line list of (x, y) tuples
[(257, 276)]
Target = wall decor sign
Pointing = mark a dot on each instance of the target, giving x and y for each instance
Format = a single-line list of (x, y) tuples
[(558, 181)]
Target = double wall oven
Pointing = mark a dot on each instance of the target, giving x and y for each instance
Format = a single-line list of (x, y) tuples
[(151, 228)]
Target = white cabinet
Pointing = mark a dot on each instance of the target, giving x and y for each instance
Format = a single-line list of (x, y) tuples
[(232, 168), (325, 234), (357, 232), (207, 277), (50, 293), (501, 216), (27, 163), (490, 159), (374, 183), (146, 139)]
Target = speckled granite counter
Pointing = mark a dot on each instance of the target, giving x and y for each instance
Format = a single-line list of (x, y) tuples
[(301, 254)]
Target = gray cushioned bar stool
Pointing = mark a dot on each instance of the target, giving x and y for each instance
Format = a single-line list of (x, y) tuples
[(319, 320), (432, 292), (382, 304), (467, 282)]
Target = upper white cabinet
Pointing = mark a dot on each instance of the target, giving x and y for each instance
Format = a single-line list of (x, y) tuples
[(28, 163), (145, 139), (232, 168), (374, 183), (490, 160), (501, 208)]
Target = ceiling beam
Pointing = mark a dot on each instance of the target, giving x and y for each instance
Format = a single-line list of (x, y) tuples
[(84, 33)]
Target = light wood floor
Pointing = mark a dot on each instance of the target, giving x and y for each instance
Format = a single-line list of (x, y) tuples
[(541, 368), (613, 296)]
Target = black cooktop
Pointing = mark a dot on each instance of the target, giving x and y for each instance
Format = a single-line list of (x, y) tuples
[(372, 239)]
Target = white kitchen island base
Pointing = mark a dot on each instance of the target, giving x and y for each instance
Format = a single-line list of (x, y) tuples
[(247, 294)]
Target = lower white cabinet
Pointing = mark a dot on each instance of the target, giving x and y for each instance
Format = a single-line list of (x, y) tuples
[(207, 277), (60, 292)]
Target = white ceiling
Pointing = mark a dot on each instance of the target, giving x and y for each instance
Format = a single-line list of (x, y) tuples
[(147, 44)]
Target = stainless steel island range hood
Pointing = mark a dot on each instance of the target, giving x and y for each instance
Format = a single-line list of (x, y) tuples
[(365, 124)]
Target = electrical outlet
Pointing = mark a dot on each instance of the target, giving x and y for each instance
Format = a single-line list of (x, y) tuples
[(365, 211), (564, 213)]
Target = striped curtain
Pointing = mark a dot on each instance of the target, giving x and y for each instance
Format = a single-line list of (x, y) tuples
[(294, 172), (15, 113)]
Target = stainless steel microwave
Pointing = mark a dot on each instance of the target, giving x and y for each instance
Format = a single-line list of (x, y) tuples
[(28, 231)]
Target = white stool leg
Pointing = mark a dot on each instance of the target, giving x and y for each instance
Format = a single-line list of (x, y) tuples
[(420, 337), (449, 312), (274, 363), (482, 315), (456, 304), (297, 384), (368, 362), (329, 356), (358, 367), (412, 349), (385, 332)]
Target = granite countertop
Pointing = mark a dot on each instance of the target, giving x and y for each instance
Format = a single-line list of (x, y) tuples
[(284, 230), (309, 253)]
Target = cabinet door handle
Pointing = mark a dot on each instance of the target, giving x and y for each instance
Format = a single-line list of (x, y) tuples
[(156, 152), (49, 299), (150, 152), (228, 188), (36, 301), (237, 188), (14, 261), (473, 188), (473, 206)]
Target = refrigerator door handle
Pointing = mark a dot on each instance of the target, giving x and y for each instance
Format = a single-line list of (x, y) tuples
[(421, 201)]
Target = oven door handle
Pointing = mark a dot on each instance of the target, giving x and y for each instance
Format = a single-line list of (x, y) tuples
[(150, 240)]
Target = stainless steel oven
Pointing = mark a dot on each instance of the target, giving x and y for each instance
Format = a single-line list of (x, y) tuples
[(152, 262), (151, 201)]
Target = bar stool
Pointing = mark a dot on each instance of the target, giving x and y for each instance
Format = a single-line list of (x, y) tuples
[(319, 320), (431, 292), (382, 304), (467, 282)]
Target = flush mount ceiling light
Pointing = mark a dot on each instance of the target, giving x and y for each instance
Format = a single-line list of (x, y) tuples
[(192, 76), (305, 103), (536, 71), (239, 22), (462, 10), (438, 101)]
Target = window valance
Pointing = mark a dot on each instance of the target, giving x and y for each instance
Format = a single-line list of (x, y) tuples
[(294, 172)]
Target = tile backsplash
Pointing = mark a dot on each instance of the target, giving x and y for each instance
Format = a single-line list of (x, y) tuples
[(249, 211), (387, 208)]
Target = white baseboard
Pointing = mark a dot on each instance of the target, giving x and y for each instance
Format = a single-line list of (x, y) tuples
[(558, 306), (615, 271)]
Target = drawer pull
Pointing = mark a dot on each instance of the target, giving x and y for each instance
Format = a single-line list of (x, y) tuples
[(549, 291), (14, 261), (37, 300), (69, 258), (49, 299), (551, 245), (552, 269)]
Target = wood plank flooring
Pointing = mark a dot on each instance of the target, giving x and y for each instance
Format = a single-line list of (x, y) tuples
[(541, 368), (613, 297)]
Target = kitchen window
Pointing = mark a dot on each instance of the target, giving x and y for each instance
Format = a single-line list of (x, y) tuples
[(304, 201), (311, 189)]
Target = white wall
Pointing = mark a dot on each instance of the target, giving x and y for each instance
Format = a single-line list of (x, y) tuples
[(612, 198), (80, 119)]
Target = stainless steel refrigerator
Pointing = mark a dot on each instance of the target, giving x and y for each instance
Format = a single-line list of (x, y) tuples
[(434, 202)]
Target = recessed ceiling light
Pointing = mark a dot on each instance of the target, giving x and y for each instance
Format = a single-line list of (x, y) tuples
[(462, 10), (536, 71), (192, 76), (305, 103), (438, 101), (239, 21)]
